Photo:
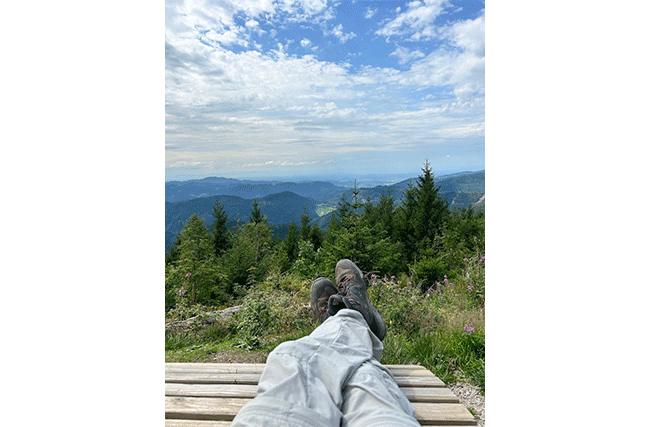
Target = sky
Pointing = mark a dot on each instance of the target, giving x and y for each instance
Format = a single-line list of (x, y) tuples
[(284, 88)]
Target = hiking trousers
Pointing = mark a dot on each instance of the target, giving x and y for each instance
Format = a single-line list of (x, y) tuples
[(330, 378)]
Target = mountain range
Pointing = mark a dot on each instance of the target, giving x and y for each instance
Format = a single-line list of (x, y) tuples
[(285, 202)]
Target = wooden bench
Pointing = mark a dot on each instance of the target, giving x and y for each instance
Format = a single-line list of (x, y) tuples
[(211, 394)]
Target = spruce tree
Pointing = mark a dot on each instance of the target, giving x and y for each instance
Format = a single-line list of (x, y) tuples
[(256, 214), (291, 242), (220, 238), (305, 228), (431, 210)]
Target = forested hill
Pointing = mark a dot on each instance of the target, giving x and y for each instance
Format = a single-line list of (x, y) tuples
[(280, 208), (285, 202), (186, 190), (470, 184)]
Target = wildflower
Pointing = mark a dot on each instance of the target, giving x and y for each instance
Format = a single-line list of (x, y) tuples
[(469, 329), (430, 290), (392, 277), (399, 282), (465, 259), (446, 279), (469, 287), (409, 283), (188, 274), (438, 284)]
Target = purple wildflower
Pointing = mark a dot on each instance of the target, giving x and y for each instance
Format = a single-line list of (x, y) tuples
[(469, 329), (469, 287)]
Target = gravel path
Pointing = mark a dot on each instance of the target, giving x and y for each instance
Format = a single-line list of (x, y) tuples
[(471, 397)]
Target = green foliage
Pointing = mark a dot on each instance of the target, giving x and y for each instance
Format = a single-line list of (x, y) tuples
[(250, 257), (193, 276), (253, 320), (306, 263), (291, 242), (428, 282), (256, 214), (220, 234)]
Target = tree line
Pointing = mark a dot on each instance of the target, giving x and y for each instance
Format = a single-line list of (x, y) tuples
[(420, 236)]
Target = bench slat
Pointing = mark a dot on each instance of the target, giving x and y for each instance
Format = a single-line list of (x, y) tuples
[(197, 423), (225, 409), (211, 394), (413, 394), (426, 380)]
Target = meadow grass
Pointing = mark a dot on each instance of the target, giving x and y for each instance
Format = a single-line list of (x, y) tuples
[(443, 328)]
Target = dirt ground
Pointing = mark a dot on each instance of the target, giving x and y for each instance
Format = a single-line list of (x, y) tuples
[(471, 397)]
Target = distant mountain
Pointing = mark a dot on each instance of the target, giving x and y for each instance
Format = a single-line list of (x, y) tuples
[(283, 202), (280, 208), (460, 190), (185, 190)]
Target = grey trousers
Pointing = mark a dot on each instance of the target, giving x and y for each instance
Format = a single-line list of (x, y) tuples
[(330, 378)]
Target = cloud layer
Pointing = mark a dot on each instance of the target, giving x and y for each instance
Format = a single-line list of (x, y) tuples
[(285, 86)]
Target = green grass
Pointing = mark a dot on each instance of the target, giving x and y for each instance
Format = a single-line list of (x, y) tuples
[(442, 329), (323, 209)]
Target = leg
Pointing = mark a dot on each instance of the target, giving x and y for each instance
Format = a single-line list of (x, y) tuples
[(303, 380), (372, 398)]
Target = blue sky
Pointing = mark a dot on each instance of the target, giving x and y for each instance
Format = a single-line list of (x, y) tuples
[(266, 88)]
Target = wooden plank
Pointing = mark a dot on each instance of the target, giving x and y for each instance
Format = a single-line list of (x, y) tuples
[(211, 394), (251, 379), (211, 390), (203, 408), (225, 409), (257, 368), (216, 368), (429, 414), (196, 423), (413, 394), (429, 395)]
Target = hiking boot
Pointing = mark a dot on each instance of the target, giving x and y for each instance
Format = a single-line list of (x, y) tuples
[(321, 290), (352, 287)]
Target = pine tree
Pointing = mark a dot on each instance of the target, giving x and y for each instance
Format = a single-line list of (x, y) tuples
[(256, 214), (220, 237), (316, 237), (431, 210), (194, 275), (305, 228), (291, 242)]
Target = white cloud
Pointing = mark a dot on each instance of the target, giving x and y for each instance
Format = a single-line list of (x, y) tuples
[(270, 107), (404, 55), (469, 35), (460, 63), (369, 13), (417, 21), (339, 34)]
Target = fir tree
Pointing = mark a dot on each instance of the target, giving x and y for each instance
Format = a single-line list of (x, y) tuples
[(220, 237), (305, 228), (291, 242), (256, 214)]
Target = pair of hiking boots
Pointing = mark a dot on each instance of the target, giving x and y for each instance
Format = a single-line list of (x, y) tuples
[(349, 292)]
